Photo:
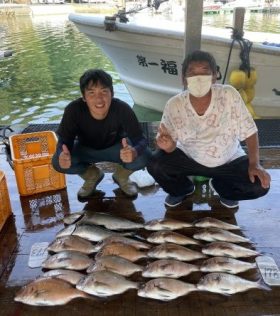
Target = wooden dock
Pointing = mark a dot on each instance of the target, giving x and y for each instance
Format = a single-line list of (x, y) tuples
[(37, 218)]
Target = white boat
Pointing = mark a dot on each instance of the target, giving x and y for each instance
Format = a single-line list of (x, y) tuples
[(148, 59)]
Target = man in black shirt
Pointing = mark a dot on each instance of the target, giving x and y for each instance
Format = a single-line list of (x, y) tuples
[(98, 127)]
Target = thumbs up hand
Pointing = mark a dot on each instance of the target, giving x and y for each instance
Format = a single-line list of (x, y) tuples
[(164, 139), (127, 153), (64, 158)]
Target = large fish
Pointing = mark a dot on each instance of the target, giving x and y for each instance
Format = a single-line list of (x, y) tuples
[(71, 242), (218, 234), (122, 250), (105, 283), (207, 222), (225, 283), (173, 251), (165, 289), (89, 232), (162, 236), (48, 292), (109, 221), (226, 249), (70, 276), (225, 264), (115, 264), (67, 260), (124, 240), (166, 223), (168, 268)]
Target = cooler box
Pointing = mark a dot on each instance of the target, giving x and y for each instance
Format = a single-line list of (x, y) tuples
[(31, 155), (5, 204)]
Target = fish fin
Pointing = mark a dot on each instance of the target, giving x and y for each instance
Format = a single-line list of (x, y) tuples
[(263, 286)]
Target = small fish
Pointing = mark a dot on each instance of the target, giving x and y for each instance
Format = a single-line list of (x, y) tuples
[(89, 232), (109, 221), (48, 292), (173, 251), (218, 234), (67, 260), (165, 289), (122, 250), (70, 276), (225, 283), (162, 236), (124, 240), (105, 283), (115, 264), (225, 264), (207, 222), (162, 224), (168, 268), (73, 218), (71, 242), (226, 249)]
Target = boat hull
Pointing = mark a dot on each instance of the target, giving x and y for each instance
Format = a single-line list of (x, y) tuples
[(148, 60)]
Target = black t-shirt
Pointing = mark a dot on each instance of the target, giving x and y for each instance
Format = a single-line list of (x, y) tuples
[(120, 122)]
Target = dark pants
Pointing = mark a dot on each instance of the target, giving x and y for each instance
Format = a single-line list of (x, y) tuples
[(231, 180)]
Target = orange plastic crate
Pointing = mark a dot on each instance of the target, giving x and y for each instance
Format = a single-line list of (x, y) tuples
[(32, 154), (5, 204)]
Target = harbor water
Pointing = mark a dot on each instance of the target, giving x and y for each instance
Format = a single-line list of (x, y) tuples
[(49, 55)]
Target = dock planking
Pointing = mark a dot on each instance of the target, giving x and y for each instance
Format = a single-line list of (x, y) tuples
[(37, 218)]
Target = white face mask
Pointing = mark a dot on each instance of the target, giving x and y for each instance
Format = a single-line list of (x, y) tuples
[(199, 86)]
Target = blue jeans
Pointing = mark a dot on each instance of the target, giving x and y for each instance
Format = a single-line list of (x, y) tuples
[(231, 180), (82, 157)]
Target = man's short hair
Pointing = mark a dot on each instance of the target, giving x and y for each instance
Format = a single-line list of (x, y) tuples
[(96, 76), (199, 56)]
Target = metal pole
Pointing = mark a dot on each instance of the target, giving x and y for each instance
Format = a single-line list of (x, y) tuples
[(193, 25)]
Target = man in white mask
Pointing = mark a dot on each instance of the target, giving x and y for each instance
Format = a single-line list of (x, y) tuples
[(200, 134)]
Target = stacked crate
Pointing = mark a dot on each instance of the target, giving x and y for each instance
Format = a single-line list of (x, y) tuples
[(5, 204), (31, 155)]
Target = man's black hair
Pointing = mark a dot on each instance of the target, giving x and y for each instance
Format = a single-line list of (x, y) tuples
[(198, 56), (96, 76)]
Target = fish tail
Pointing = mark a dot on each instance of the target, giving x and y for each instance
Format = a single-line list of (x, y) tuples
[(263, 286)]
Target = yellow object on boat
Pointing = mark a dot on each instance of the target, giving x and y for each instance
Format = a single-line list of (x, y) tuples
[(251, 80), (243, 95), (250, 92), (237, 78), (251, 110)]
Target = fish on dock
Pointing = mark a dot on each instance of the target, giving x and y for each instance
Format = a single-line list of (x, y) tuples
[(90, 232), (165, 289), (166, 223), (173, 251), (227, 265), (218, 234), (122, 250), (225, 283), (168, 268), (162, 236), (115, 264), (140, 245), (73, 217), (71, 242), (226, 249), (70, 276), (207, 222), (73, 260), (108, 221), (105, 283), (48, 292)]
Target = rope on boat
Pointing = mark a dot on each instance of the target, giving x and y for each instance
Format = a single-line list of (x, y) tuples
[(245, 48)]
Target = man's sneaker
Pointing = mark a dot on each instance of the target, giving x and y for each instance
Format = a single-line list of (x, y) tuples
[(173, 201), (225, 202), (229, 203), (92, 177)]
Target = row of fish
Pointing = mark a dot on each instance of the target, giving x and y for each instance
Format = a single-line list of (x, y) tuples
[(118, 223), (116, 255), (53, 291)]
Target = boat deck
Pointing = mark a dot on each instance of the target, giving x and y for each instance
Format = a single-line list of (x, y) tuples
[(39, 217)]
